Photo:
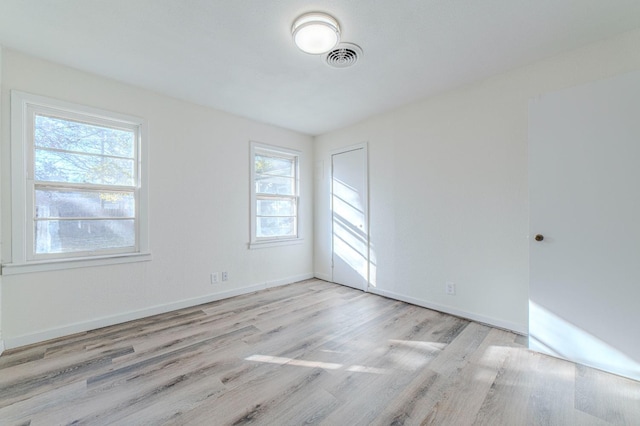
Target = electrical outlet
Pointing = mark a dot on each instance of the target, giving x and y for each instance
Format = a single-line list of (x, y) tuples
[(225, 276), (214, 277), (450, 288)]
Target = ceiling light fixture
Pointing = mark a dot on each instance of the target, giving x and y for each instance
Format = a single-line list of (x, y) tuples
[(316, 33)]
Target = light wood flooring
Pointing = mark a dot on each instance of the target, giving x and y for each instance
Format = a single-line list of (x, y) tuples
[(306, 353)]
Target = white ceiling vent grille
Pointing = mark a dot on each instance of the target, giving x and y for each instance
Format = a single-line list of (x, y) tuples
[(344, 56)]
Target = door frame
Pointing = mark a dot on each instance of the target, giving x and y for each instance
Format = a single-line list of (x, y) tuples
[(365, 147)]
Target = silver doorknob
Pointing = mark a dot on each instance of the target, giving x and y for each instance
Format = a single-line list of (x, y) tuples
[(539, 237)]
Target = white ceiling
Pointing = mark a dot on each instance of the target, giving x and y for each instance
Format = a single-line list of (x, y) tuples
[(238, 56)]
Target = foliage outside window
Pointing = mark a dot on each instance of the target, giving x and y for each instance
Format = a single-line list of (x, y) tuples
[(83, 195), (275, 194)]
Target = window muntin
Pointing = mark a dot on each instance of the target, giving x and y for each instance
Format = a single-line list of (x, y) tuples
[(84, 181), (68, 221), (275, 213), (83, 195)]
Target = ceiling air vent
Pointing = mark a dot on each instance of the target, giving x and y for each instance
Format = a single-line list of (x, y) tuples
[(344, 56)]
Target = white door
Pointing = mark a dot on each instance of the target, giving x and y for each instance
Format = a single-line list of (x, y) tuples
[(584, 177), (349, 206)]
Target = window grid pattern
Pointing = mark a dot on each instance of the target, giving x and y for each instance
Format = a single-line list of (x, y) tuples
[(276, 195), (83, 177)]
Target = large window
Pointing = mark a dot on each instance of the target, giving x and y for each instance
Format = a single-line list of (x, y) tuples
[(274, 195), (77, 182)]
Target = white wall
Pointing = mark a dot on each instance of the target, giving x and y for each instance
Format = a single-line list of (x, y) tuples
[(448, 199), (449, 191), (1, 214), (199, 212)]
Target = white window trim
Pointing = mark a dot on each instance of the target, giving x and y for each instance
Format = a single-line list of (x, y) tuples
[(256, 243), (21, 261)]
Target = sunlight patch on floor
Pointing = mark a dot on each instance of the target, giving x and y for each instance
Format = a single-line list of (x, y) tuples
[(314, 364), (363, 369), (429, 346)]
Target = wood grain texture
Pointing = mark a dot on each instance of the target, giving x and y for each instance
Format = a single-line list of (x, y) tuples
[(306, 353)]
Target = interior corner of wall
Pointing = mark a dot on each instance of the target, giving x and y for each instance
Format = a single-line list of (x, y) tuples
[(322, 276)]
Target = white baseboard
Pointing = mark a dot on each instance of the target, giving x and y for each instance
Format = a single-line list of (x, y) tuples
[(1, 346), (79, 327), (494, 322), (288, 280), (322, 276)]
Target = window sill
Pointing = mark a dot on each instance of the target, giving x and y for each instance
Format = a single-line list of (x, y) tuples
[(274, 243), (59, 264)]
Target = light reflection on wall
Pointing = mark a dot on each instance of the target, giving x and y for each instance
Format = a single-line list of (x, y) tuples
[(552, 335), (350, 237)]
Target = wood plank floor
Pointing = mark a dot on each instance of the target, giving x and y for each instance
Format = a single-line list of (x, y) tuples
[(306, 353)]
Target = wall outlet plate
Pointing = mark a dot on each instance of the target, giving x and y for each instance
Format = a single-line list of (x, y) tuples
[(225, 276), (450, 288), (214, 277)]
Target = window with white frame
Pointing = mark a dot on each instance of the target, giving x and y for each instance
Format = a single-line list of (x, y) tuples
[(78, 182), (274, 195)]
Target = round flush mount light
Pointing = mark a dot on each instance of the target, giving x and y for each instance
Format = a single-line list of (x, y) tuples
[(316, 33)]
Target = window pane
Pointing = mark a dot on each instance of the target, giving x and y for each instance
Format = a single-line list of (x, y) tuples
[(56, 166), (276, 208), (275, 166), (69, 135), (63, 203), (65, 236), (276, 227), (274, 185)]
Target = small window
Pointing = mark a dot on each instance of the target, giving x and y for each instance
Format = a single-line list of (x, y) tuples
[(274, 195), (77, 183)]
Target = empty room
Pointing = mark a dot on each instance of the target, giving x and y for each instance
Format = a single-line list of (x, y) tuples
[(331, 212)]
